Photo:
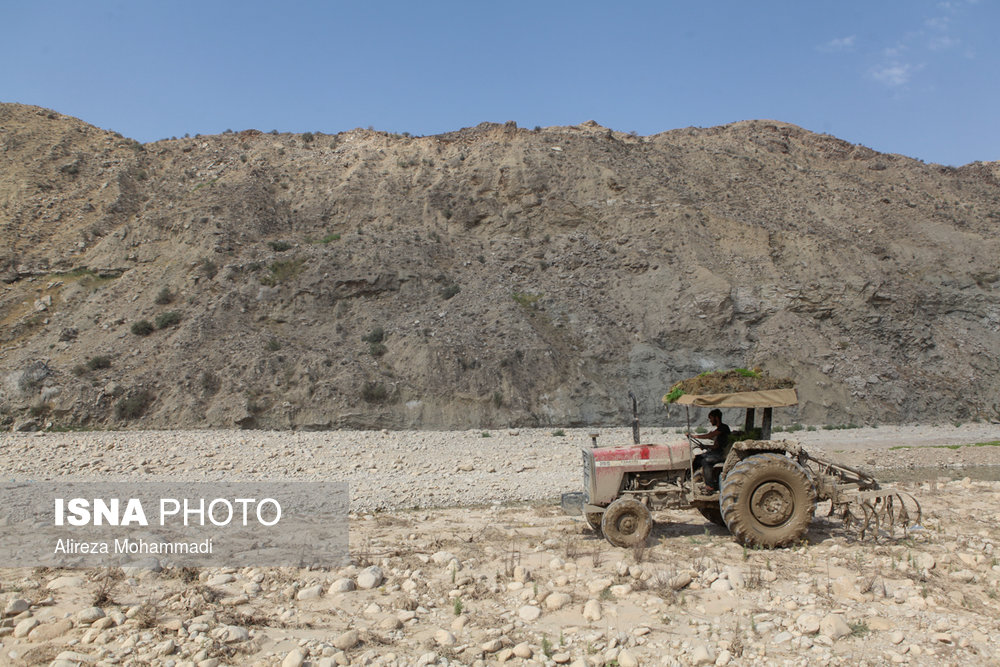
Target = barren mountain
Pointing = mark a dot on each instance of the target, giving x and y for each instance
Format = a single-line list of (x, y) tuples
[(486, 277)]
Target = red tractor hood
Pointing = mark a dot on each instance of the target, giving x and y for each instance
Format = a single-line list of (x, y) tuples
[(673, 456)]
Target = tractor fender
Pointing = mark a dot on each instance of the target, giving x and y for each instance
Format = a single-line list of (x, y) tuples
[(745, 448)]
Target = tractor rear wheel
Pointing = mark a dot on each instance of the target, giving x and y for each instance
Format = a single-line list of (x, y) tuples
[(626, 523), (713, 514), (767, 501)]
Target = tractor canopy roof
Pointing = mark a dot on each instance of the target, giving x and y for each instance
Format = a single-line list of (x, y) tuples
[(736, 388)]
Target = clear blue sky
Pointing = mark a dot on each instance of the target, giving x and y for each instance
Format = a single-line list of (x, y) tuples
[(917, 77)]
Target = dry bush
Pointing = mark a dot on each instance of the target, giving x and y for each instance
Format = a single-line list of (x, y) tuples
[(511, 559), (148, 614), (107, 581)]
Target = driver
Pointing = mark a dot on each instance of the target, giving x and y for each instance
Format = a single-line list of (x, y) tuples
[(716, 452)]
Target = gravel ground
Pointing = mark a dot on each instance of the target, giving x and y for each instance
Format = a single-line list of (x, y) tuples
[(511, 583), (409, 469)]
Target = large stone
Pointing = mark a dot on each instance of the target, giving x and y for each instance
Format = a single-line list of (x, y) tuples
[(592, 610), (89, 615), (370, 577), (295, 658), (627, 659), (557, 601), (342, 585), (702, 655), (310, 593), (347, 641), (75, 658), (492, 646), (597, 585), (15, 607), (834, 626), (808, 624), (529, 612), (65, 582), (445, 638), (523, 650), (230, 634), (49, 631), (24, 627)]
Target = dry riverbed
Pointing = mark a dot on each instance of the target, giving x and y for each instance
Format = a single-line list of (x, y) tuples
[(459, 556)]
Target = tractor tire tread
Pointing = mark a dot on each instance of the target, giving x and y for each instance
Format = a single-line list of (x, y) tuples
[(758, 469)]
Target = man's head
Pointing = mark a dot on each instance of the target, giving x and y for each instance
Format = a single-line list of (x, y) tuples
[(715, 417)]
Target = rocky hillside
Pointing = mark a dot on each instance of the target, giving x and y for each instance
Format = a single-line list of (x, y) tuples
[(486, 277)]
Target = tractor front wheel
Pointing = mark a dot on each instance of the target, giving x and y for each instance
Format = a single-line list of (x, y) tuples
[(593, 520), (626, 523), (767, 501)]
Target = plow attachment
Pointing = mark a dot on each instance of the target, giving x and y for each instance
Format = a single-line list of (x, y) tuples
[(863, 507)]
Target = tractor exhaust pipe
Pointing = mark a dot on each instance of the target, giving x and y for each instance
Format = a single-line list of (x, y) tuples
[(635, 417)]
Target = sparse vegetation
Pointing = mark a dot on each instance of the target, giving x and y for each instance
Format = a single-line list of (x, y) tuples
[(210, 383), (450, 291), (377, 349), (376, 335), (559, 433), (273, 345), (143, 328), (282, 271), (133, 404), (208, 267), (374, 392), (167, 319), (328, 238), (99, 362), (526, 299), (280, 246), (164, 297)]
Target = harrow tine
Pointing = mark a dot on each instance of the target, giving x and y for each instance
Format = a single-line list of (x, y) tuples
[(870, 516)]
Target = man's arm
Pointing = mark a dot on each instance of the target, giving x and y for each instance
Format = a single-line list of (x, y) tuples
[(706, 436)]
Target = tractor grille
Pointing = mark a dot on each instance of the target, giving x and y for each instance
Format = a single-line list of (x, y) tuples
[(588, 474)]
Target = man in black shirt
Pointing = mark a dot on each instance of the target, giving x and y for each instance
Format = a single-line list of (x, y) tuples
[(717, 452)]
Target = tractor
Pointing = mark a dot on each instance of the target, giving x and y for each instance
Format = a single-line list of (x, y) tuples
[(769, 489)]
